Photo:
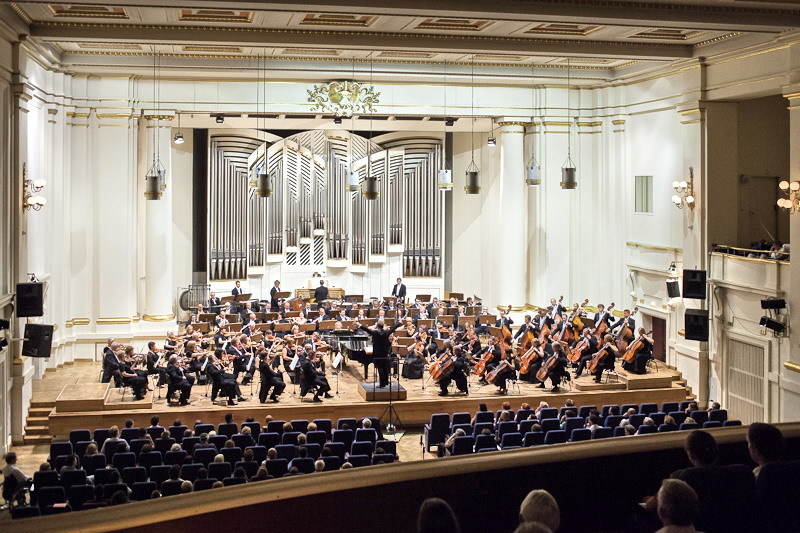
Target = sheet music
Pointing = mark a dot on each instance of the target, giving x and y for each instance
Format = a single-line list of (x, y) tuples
[(337, 360), (295, 360)]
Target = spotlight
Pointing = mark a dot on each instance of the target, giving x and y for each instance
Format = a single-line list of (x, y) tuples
[(178, 138), (220, 119), (4, 324), (449, 122), (491, 141), (337, 120), (3, 343), (771, 324)]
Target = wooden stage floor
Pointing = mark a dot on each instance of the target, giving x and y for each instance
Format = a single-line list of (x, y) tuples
[(412, 412)]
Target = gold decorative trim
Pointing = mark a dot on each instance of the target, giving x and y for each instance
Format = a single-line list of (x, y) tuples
[(682, 332), (516, 123), (454, 24), (80, 321), (791, 365), (338, 19), (695, 121), (668, 34), (21, 12), (215, 15), (87, 11), (158, 318), (68, 324), (548, 123), (618, 122), (52, 111), (692, 111), (114, 115), (593, 124), (73, 114), (717, 39), (653, 247), (113, 320), (159, 117), (749, 259), (572, 30)]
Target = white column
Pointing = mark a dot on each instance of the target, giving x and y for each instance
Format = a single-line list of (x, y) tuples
[(512, 236), (159, 289), (790, 378)]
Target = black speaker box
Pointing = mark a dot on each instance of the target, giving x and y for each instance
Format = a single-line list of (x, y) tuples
[(673, 288), (773, 303), (30, 299), (694, 284), (38, 340), (696, 325), (769, 323)]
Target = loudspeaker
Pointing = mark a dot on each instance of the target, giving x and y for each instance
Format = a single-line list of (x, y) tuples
[(694, 284), (30, 299), (773, 303), (38, 339), (673, 288), (696, 325), (769, 323)]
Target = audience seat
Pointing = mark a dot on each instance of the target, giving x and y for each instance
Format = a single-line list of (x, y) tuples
[(434, 431), (189, 471), (92, 462), (128, 434), (727, 497), (255, 427), (188, 443), (204, 455), (199, 429), (149, 459), (337, 448), (361, 448), (668, 407), (77, 435), (526, 426), (359, 460), (647, 408), (123, 460), (113, 488), (164, 444), (157, 474), (332, 463), (276, 467), (579, 434), (175, 457), (134, 474), (585, 410), (275, 426), (73, 477), (228, 481), (220, 470), (480, 426), (602, 433), (228, 429), (482, 417), (606, 409), (77, 495), (461, 418), (231, 455), (249, 467), (483, 442), (573, 422), (463, 445), (777, 495), (103, 476), (548, 412), (177, 432), (286, 451), (318, 437), (382, 458), (259, 453), (142, 490), (324, 424), (550, 424), (269, 440), (511, 439), (556, 436), (171, 487), (533, 438)]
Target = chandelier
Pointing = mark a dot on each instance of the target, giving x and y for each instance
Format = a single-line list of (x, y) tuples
[(343, 98)]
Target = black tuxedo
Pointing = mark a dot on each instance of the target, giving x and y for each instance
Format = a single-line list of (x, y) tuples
[(381, 349), (320, 294), (587, 355), (137, 382), (180, 382), (605, 316), (152, 359), (222, 381), (399, 290), (269, 380), (273, 300), (631, 324), (506, 321), (312, 377), (237, 291), (522, 329), (213, 302), (111, 364)]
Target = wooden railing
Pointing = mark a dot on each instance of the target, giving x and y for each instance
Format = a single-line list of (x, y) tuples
[(596, 483), (747, 252)]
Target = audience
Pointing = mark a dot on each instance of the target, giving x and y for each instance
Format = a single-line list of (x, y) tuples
[(436, 516), (540, 507), (677, 506), (765, 444)]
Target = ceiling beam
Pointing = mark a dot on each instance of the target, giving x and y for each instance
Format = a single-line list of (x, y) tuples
[(364, 40)]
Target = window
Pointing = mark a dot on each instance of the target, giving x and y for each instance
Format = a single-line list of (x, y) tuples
[(644, 194)]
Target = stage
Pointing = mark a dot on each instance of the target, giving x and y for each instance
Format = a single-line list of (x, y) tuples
[(422, 399)]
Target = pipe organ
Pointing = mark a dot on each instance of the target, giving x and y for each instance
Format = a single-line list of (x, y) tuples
[(311, 218)]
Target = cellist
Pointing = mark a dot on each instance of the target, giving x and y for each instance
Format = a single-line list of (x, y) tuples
[(531, 361), (524, 328), (608, 361), (554, 367), (458, 374), (625, 320), (588, 352), (643, 353)]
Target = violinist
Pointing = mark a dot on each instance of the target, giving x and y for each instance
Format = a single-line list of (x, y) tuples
[(249, 328), (132, 378), (153, 366), (111, 362), (411, 329), (271, 379), (179, 380), (472, 344), (199, 310), (588, 352), (414, 364), (312, 377), (222, 338), (237, 351), (458, 374), (245, 363), (625, 320), (171, 342), (222, 381), (608, 361), (643, 354), (221, 321), (524, 328)]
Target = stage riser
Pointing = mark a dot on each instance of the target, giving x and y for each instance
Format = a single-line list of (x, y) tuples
[(412, 413)]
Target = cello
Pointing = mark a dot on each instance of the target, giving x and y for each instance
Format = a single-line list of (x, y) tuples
[(600, 357), (577, 351), (530, 357), (503, 366), (442, 367), (625, 335), (480, 367), (550, 363), (603, 326), (634, 347)]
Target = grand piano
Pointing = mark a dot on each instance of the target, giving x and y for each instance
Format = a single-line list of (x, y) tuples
[(356, 346)]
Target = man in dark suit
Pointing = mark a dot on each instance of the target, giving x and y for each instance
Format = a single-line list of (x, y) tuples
[(273, 299), (528, 325), (503, 320), (111, 363), (213, 301), (399, 290), (179, 380), (601, 316), (313, 377), (237, 290), (130, 378), (589, 352), (625, 319), (381, 348), (321, 293), (222, 381), (270, 379)]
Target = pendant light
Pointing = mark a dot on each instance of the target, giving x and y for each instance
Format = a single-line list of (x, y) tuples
[(179, 136), (445, 174), (155, 179), (533, 171), (263, 178), (352, 176), (473, 173), (568, 170), (370, 188)]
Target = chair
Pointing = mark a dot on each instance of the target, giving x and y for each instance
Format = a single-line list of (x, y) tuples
[(324, 424), (188, 443), (619, 431), (316, 437), (228, 481), (77, 495), (667, 427), (523, 414), (463, 445), (647, 430), (47, 478), (777, 493), (204, 484), (647, 408), (175, 457), (218, 441), (93, 462), (255, 427), (259, 453), (668, 407), (480, 426), (550, 424), (345, 436), (612, 421), (189, 471), (275, 426), (199, 429), (332, 463), (112, 488), (510, 439), (136, 445), (585, 410), (73, 477), (337, 448), (460, 418), (158, 473), (269, 440), (700, 417), (25, 511), (150, 459), (232, 455), (362, 448), (77, 435), (177, 432), (678, 416), (123, 460), (483, 442), (171, 487), (103, 476), (303, 464), (134, 474), (359, 460), (155, 432), (506, 427), (602, 433), (367, 434), (59, 448), (729, 423), (50, 495), (483, 417), (228, 429), (658, 417), (435, 431), (313, 450), (53, 509), (277, 467), (60, 461), (556, 436), (142, 490), (685, 404), (548, 412), (79, 448), (688, 426), (579, 434), (100, 436), (606, 409), (219, 470), (111, 448), (242, 441), (626, 406), (726, 495), (351, 423), (637, 419), (286, 451), (128, 434), (382, 458), (573, 422), (533, 438), (526, 426), (290, 437), (249, 467), (300, 425), (163, 445), (204, 455)]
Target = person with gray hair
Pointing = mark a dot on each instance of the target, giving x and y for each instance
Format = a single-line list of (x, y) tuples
[(539, 506), (179, 380), (111, 363), (677, 506)]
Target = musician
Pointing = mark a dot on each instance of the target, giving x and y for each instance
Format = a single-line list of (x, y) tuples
[(222, 381), (503, 320), (562, 329), (503, 375), (525, 327), (381, 348), (237, 290), (482, 329), (625, 320), (221, 321), (588, 353), (179, 380), (399, 290), (491, 347), (321, 293), (213, 301), (270, 379), (533, 367), (152, 364), (237, 351), (559, 368), (458, 374), (321, 316), (245, 363), (608, 362), (472, 345), (274, 304), (249, 328), (643, 354), (111, 363), (313, 377), (457, 323), (360, 316), (171, 342), (439, 331), (555, 308), (199, 310), (601, 316), (342, 316), (130, 377), (433, 306), (221, 338), (422, 315), (245, 313)]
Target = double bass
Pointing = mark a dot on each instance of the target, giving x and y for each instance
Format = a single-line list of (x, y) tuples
[(575, 315), (634, 347), (442, 367), (603, 326), (625, 335)]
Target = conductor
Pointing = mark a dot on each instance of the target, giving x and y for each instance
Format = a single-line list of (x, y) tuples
[(381, 348)]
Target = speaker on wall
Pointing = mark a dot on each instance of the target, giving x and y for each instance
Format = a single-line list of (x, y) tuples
[(696, 325), (38, 339), (673, 288), (694, 284), (30, 299)]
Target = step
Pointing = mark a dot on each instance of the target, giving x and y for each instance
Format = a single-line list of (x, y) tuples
[(40, 411), (37, 421), (36, 439), (43, 403), (37, 430)]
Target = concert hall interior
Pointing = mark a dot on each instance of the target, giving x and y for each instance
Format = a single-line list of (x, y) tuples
[(516, 179)]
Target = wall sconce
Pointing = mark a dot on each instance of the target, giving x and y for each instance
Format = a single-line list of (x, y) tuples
[(792, 200), (686, 189), (30, 198)]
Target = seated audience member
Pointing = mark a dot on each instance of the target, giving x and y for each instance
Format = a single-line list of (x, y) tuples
[(448, 444), (113, 436), (119, 497), (701, 449), (539, 506), (436, 516), (765, 444), (532, 527), (713, 406), (677, 507)]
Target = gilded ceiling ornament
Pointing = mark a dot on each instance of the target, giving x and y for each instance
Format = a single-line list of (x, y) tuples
[(343, 98)]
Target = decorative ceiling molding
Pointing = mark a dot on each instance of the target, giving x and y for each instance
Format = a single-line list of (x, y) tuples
[(326, 52), (560, 28), (338, 19), (668, 34), (406, 55), (452, 24), (109, 46), (215, 15), (87, 11), (212, 48), (496, 57)]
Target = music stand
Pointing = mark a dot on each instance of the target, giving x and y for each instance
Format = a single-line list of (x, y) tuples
[(390, 410)]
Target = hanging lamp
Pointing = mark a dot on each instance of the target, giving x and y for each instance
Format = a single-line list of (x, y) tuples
[(445, 174), (370, 188), (155, 180), (568, 170), (263, 177), (533, 171), (473, 173)]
